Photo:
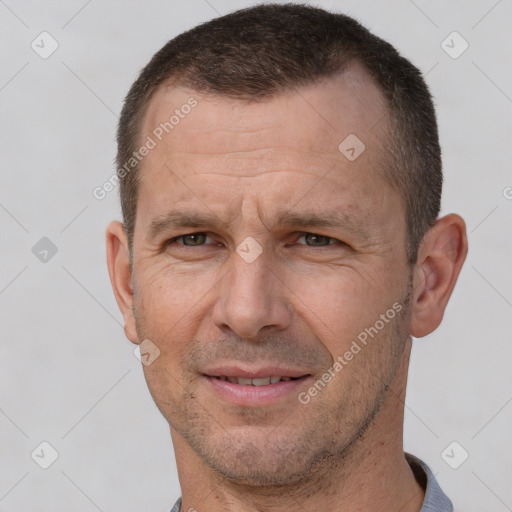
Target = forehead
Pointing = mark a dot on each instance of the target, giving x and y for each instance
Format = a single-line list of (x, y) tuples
[(221, 153), (328, 110)]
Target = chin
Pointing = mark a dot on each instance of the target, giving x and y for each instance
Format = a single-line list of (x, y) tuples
[(250, 459)]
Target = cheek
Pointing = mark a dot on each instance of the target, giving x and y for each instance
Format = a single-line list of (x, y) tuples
[(169, 304), (338, 305), (169, 308)]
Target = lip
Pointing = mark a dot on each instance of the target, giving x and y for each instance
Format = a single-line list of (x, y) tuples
[(254, 373), (255, 396)]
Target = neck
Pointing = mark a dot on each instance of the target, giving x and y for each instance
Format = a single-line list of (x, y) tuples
[(372, 475)]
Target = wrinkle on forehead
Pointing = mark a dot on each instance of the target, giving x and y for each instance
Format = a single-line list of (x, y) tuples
[(234, 125), (253, 163)]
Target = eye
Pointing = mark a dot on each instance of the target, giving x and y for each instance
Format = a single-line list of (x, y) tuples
[(190, 240), (315, 240)]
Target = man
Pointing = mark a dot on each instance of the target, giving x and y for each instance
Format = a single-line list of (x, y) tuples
[(280, 184)]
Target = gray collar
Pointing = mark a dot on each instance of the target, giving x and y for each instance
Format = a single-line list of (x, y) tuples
[(435, 499)]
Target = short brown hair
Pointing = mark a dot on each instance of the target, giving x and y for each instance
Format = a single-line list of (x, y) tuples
[(256, 53)]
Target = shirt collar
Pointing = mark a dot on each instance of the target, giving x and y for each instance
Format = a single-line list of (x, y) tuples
[(435, 499)]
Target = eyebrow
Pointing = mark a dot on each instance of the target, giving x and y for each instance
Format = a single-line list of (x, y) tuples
[(175, 220), (329, 219)]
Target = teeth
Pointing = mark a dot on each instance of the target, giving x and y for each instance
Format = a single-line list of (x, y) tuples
[(262, 381)]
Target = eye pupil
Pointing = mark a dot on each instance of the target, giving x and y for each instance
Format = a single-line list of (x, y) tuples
[(317, 240), (194, 239)]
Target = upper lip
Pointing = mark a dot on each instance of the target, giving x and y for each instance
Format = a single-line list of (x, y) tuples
[(255, 373)]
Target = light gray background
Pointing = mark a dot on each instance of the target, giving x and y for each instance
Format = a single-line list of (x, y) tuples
[(68, 375)]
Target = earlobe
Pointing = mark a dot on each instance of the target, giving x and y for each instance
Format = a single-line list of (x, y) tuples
[(119, 269), (440, 259)]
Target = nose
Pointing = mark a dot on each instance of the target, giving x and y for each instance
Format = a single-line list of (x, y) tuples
[(250, 298)]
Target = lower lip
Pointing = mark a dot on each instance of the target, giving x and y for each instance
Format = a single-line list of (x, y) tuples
[(255, 395)]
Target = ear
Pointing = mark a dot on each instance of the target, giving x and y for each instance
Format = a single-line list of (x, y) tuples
[(440, 258), (118, 259)]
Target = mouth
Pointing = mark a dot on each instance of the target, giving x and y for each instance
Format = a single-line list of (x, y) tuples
[(260, 381), (255, 388)]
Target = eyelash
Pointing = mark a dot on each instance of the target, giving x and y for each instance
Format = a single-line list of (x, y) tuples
[(302, 234), (173, 240)]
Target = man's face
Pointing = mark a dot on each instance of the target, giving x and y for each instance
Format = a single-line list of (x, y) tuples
[(234, 178)]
